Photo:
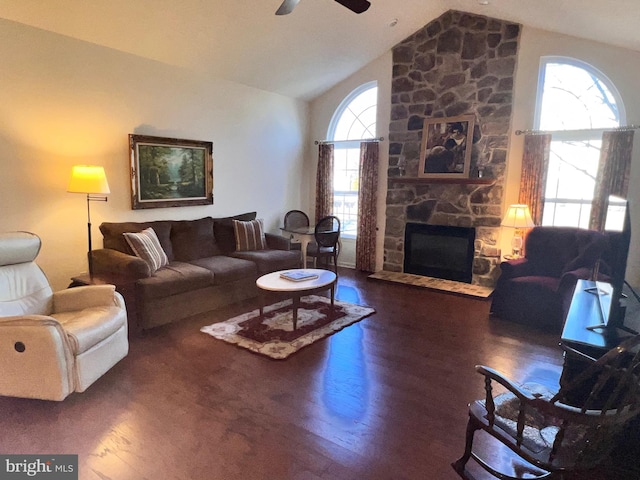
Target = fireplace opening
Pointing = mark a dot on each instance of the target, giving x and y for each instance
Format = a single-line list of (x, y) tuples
[(439, 251)]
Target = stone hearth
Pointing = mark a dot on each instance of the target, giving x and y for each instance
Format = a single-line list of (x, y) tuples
[(458, 64)]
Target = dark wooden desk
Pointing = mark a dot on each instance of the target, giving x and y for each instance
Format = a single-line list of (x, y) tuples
[(586, 311)]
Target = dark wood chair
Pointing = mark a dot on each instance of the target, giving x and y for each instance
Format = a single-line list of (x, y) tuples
[(326, 246), (550, 434), (295, 219)]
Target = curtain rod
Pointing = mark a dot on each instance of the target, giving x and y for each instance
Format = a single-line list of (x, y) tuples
[(544, 132), (379, 139)]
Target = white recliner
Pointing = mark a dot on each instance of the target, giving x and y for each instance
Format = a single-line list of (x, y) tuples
[(52, 344)]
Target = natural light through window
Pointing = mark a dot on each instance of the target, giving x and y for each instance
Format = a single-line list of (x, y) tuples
[(354, 120), (576, 103)]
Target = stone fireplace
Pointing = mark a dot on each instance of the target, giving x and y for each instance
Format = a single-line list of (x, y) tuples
[(458, 64)]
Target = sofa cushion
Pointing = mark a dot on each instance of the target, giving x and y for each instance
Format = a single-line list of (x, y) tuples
[(175, 278), (113, 238), (249, 235), (227, 269), (146, 246), (271, 260), (223, 230), (193, 239)]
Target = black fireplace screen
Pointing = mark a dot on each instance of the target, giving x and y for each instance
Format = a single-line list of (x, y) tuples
[(439, 251)]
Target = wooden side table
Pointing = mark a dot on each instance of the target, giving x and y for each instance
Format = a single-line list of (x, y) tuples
[(124, 285)]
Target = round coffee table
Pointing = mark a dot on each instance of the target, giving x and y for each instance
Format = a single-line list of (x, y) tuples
[(273, 282)]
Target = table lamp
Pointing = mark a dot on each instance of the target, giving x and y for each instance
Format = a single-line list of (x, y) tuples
[(517, 217), (92, 181)]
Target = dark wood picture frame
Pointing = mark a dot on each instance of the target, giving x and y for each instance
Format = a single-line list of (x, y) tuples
[(445, 151), (170, 172)]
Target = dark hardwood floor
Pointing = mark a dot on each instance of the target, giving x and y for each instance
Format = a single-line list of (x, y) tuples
[(385, 398)]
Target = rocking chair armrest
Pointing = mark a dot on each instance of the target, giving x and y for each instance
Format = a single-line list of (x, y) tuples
[(548, 406), (575, 415), (514, 388)]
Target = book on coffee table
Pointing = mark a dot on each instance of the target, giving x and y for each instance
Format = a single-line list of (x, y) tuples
[(298, 275)]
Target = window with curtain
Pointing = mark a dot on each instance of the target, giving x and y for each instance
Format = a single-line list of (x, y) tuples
[(353, 121), (575, 103)]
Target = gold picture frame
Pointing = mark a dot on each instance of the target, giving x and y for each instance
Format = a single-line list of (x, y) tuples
[(445, 151), (170, 172)]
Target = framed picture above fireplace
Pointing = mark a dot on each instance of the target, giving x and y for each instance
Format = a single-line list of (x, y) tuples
[(445, 151)]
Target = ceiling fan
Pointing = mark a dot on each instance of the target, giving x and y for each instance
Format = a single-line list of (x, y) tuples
[(357, 6)]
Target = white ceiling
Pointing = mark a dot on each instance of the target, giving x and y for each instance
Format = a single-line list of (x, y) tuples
[(302, 54)]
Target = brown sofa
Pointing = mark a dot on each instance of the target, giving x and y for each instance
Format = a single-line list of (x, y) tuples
[(204, 271)]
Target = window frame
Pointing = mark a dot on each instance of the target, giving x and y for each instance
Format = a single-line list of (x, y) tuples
[(349, 144), (577, 135)]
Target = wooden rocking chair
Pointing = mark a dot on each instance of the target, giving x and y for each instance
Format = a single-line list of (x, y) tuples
[(571, 430)]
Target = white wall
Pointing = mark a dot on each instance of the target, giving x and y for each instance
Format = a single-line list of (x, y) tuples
[(321, 112), (65, 102), (621, 66)]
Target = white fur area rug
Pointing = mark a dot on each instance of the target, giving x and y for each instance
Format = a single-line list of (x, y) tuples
[(273, 334)]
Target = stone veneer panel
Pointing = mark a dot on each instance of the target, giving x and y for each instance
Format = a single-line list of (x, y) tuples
[(458, 64)]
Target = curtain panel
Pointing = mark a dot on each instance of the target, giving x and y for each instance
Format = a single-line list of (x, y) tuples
[(535, 162), (367, 207), (613, 174), (324, 181)]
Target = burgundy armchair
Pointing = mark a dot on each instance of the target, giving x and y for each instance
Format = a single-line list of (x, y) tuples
[(537, 289)]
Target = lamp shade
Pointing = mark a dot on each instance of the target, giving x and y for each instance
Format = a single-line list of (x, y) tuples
[(88, 179), (518, 216)]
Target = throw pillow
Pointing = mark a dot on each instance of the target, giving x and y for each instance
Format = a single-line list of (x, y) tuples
[(145, 244), (223, 231), (249, 235), (112, 235)]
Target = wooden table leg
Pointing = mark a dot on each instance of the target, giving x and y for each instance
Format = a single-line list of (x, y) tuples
[(262, 303), (296, 304), (333, 291)]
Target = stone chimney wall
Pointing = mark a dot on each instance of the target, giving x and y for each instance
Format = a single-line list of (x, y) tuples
[(458, 64)]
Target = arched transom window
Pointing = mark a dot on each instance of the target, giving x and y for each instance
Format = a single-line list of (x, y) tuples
[(576, 103), (353, 121)]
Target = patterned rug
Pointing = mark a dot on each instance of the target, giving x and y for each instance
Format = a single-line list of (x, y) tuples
[(274, 336), (433, 283)]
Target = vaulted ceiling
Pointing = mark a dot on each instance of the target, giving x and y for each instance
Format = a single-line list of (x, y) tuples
[(306, 52)]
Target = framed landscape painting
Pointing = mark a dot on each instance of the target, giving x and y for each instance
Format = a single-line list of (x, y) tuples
[(169, 172), (445, 151)]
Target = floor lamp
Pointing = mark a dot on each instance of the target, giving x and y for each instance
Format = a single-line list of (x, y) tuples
[(518, 217), (92, 181)]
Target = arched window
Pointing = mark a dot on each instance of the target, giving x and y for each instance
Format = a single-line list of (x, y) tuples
[(353, 121), (576, 103)]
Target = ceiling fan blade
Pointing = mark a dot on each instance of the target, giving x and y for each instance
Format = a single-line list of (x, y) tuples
[(287, 7), (357, 6)]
